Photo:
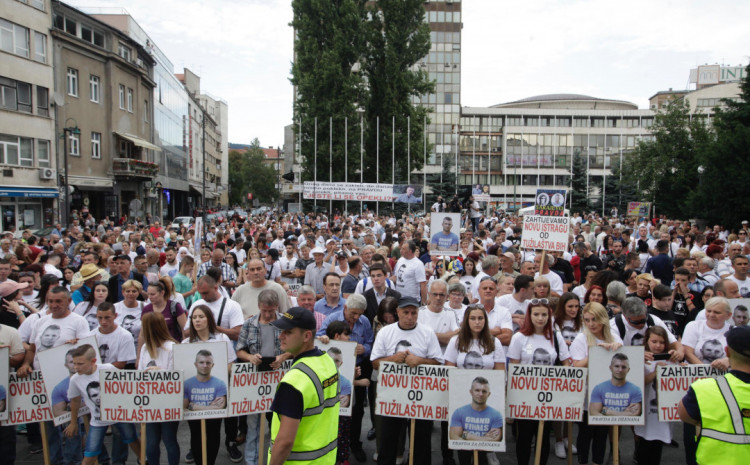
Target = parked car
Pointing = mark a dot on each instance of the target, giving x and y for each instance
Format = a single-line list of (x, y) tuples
[(187, 221)]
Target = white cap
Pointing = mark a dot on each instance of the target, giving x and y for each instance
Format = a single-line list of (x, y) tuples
[(317, 250)]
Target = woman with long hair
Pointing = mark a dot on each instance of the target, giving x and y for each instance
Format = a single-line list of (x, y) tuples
[(629, 278), (203, 329), (536, 343), (157, 354), (87, 308), (595, 294), (174, 313), (596, 332), (130, 309), (568, 314)]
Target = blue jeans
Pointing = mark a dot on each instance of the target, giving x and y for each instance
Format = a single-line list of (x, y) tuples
[(252, 439), (95, 437), (62, 450), (119, 449), (157, 433)]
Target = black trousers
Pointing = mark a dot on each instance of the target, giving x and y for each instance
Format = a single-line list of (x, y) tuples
[(594, 437), (391, 426), (648, 452), (358, 408), (526, 430), (213, 440), (466, 457), (688, 438)]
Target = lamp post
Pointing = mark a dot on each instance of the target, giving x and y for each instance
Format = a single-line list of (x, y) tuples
[(76, 131)]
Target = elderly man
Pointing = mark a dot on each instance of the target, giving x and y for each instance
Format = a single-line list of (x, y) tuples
[(361, 333), (315, 272), (255, 283), (632, 323), (490, 267), (306, 299), (331, 301), (228, 276)]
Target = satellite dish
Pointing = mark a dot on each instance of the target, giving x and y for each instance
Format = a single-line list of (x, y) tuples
[(59, 99), (136, 208)]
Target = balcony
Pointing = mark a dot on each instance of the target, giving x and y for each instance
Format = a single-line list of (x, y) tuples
[(133, 168)]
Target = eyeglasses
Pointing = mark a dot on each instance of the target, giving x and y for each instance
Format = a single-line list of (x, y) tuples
[(636, 322), (539, 301)]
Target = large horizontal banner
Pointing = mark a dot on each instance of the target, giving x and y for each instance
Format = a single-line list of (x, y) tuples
[(367, 192), (130, 396), (672, 383), (251, 391), (537, 392), (545, 233), (27, 399), (419, 392)]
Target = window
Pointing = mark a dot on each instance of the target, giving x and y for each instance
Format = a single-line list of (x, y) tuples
[(42, 101), (14, 38), (38, 4), (94, 88), (15, 95), (130, 100), (42, 153), (27, 152), (145, 111), (122, 97), (40, 47), (124, 51), (96, 145), (74, 144), (16, 150), (73, 82)]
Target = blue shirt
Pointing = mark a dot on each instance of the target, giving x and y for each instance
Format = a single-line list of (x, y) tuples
[(323, 307), (60, 392), (203, 393), (616, 398), (476, 422), (444, 241), (344, 384), (78, 296), (361, 333)]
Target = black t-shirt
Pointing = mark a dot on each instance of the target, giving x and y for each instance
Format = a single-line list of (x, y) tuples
[(680, 308), (288, 400), (669, 319), (591, 260), (564, 269), (646, 300)]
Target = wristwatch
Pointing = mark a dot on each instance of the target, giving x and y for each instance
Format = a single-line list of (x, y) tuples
[(463, 435), (604, 411)]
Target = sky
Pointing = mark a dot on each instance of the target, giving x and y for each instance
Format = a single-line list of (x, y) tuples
[(242, 49)]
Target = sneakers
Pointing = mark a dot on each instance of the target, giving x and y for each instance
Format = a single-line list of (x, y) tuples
[(371, 434), (189, 457), (560, 450), (35, 448), (234, 453), (574, 448)]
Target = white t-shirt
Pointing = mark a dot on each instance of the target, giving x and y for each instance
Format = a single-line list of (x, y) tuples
[(288, 264), (232, 316), (631, 332), (555, 282), (468, 282), (31, 298), (87, 311), (409, 274), (128, 318), (653, 429), (580, 291), (499, 317), (743, 285), (420, 341), (514, 307), (579, 349), (536, 349), (52, 332), (78, 387), (116, 346), (169, 270), (164, 357), (219, 337), (441, 322), (28, 325), (272, 271), (487, 360), (708, 344), (458, 314)]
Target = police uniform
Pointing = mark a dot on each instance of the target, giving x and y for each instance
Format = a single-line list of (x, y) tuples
[(308, 392)]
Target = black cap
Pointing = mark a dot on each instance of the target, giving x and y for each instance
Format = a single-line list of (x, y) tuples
[(296, 317), (274, 254), (407, 301), (738, 339)]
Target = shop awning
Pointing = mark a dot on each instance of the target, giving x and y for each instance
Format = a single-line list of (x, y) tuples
[(138, 141), (30, 192), (90, 183)]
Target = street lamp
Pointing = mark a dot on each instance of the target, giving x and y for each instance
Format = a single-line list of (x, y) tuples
[(76, 131)]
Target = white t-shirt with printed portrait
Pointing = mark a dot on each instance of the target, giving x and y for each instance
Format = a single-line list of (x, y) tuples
[(52, 332), (441, 322), (420, 341), (230, 318), (707, 343), (90, 395), (632, 333), (475, 354), (116, 346), (409, 274), (537, 349), (579, 349), (164, 357)]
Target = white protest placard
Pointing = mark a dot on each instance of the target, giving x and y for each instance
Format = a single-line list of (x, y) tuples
[(475, 406), (204, 366), (252, 391), (367, 192), (4, 369), (344, 354), (198, 235), (419, 392), (539, 392), (445, 229), (57, 366), (293, 289), (131, 396), (27, 399), (672, 383), (545, 233), (616, 386)]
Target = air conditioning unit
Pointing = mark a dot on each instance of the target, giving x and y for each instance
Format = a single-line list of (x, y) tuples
[(47, 173)]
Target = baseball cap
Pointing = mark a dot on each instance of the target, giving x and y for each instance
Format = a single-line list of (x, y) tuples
[(296, 317), (407, 301), (274, 254), (509, 255), (9, 286), (738, 339), (317, 250)]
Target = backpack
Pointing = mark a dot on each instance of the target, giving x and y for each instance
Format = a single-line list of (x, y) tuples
[(621, 324)]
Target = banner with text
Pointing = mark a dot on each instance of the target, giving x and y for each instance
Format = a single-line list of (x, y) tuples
[(27, 399), (545, 233), (250, 390), (419, 392), (476, 406), (672, 383), (550, 202), (130, 396), (204, 366), (639, 209), (363, 192), (540, 392), (616, 386)]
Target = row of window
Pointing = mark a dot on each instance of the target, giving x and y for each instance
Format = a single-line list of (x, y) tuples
[(38, 4), (126, 94), (16, 39), (74, 145), (17, 96), (24, 151), (81, 31)]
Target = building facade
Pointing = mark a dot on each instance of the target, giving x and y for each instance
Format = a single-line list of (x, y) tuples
[(28, 166)]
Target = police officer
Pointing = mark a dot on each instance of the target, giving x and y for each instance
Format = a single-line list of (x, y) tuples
[(304, 429), (721, 407)]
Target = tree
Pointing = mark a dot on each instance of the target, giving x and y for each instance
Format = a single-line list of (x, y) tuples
[(397, 38), (250, 173), (579, 202), (721, 193)]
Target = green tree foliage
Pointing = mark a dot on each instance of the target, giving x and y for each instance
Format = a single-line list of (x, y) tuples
[(721, 195), (249, 173), (579, 199)]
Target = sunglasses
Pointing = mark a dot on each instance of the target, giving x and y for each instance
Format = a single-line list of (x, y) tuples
[(636, 322), (539, 301)]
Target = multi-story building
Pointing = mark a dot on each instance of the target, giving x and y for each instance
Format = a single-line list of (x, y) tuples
[(218, 111), (28, 178)]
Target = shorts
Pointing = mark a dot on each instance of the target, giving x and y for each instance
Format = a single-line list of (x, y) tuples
[(95, 437)]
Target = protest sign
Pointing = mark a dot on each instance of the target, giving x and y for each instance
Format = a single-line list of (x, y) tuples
[(363, 192), (57, 366), (740, 308), (545, 233), (445, 229), (539, 392), (198, 234), (27, 399), (549, 202), (344, 354), (475, 406), (204, 367), (130, 396), (250, 390), (616, 386), (639, 209), (672, 383), (419, 392), (293, 289), (4, 369)]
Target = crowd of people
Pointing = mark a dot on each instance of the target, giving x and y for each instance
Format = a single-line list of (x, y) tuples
[(143, 288)]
